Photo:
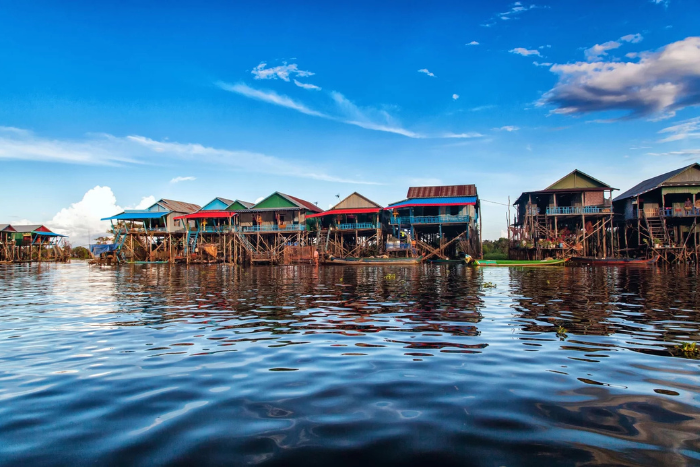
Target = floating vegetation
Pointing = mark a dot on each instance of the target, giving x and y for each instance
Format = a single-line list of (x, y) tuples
[(489, 285), (687, 349), (390, 277), (561, 332)]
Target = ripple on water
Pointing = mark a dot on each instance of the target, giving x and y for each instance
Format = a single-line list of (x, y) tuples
[(377, 365)]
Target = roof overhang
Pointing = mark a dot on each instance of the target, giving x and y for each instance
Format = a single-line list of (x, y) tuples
[(345, 211), (208, 215), (136, 216), (426, 202)]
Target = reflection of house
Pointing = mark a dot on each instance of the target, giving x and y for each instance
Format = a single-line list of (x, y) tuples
[(271, 229), (437, 221), (147, 234), (662, 211), (569, 217), (352, 227), (38, 243)]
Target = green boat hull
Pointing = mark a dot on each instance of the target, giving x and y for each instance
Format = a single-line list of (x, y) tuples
[(518, 263)]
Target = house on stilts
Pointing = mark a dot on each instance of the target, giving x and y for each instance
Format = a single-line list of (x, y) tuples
[(660, 215), (436, 222), (7, 243), (352, 228), (36, 242), (275, 230), (571, 217), (149, 235)]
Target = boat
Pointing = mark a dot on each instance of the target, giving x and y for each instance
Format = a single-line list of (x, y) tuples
[(445, 261), (509, 263), (613, 261), (374, 261)]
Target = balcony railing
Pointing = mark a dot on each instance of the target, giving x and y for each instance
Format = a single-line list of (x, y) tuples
[(357, 226), (395, 246), (217, 228), (274, 228), (576, 210), (407, 220), (677, 212)]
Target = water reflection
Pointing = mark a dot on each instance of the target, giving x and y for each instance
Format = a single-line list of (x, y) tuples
[(391, 365)]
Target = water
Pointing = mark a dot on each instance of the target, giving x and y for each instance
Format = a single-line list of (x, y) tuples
[(439, 365)]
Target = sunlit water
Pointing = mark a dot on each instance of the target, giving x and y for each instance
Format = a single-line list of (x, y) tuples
[(435, 365)]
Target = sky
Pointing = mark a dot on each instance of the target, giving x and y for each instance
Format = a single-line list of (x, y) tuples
[(113, 105)]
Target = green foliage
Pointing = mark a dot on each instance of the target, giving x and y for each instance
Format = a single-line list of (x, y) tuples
[(495, 247), (688, 349), (80, 252)]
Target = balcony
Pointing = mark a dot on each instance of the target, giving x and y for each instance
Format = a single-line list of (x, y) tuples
[(217, 228), (409, 220), (357, 226), (274, 228), (677, 212), (569, 210)]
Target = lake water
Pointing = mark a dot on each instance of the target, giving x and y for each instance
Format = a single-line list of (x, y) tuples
[(437, 365)]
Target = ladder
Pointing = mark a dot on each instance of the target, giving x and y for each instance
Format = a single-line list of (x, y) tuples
[(657, 228)]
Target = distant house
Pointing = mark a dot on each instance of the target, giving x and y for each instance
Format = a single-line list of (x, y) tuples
[(560, 217), (442, 221), (36, 242), (662, 210), (157, 218), (6, 242)]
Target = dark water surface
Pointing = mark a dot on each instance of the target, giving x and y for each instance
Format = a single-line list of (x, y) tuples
[(434, 365)]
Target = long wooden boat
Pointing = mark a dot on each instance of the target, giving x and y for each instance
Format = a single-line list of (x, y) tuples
[(510, 263), (374, 261), (613, 261)]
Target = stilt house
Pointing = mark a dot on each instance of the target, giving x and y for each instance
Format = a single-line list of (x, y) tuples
[(37, 242), (7, 244), (571, 217)]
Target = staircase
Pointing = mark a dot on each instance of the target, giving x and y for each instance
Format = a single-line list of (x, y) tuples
[(657, 229), (541, 226), (322, 239)]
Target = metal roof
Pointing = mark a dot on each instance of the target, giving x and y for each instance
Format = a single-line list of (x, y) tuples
[(6, 227), (440, 201), (301, 203), (652, 183), (30, 228), (578, 172), (227, 201), (245, 203), (441, 191), (179, 206), (136, 216)]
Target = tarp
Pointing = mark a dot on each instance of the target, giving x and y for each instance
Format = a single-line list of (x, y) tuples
[(48, 234), (137, 216), (345, 211), (208, 215), (415, 202), (97, 250)]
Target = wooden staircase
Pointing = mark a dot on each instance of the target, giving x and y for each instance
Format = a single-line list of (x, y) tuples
[(656, 226)]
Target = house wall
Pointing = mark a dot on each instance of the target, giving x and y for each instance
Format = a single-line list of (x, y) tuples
[(215, 205)]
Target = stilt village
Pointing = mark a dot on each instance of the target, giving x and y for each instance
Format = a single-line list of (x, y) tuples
[(577, 216)]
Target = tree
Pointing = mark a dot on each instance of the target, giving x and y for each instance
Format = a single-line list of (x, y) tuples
[(495, 249), (80, 252)]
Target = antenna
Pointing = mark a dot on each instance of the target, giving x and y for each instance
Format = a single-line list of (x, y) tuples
[(338, 196)]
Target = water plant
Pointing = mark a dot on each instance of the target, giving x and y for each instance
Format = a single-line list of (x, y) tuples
[(689, 349), (489, 285), (561, 332)]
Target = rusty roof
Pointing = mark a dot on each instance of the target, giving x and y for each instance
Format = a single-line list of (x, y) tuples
[(441, 191), (302, 203), (179, 206)]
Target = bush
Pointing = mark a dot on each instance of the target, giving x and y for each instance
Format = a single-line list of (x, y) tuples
[(80, 252)]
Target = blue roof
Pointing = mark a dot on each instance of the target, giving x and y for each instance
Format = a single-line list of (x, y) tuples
[(136, 216), (442, 201)]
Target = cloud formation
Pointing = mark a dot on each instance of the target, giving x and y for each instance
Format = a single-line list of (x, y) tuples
[(508, 128), (455, 96), (659, 84), (536, 63), (515, 9), (599, 50), (282, 72), (687, 129), (473, 43), (307, 86), (182, 179), (693, 153), (270, 97), (425, 70), (525, 52)]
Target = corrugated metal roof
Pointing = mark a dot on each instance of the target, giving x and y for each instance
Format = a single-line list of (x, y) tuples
[(355, 201), (441, 191), (179, 206), (438, 201), (6, 227), (227, 201), (302, 203), (38, 228), (136, 216), (583, 174), (652, 183), (245, 203)]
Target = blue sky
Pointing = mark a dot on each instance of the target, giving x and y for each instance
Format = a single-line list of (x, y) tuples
[(311, 99)]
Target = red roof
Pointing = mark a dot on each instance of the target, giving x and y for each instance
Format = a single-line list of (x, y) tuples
[(208, 215), (441, 191), (345, 211), (306, 204)]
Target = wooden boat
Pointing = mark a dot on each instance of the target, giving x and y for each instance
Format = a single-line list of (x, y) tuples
[(445, 261), (374, 261), (511, 263), (613, 261)]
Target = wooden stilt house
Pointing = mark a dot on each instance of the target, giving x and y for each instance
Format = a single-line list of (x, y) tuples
[(152, 234), (275, 229), (7, 243), (38, 243), (209, 230), (351, 228), (571, 217), (660, 215), (436, 222)]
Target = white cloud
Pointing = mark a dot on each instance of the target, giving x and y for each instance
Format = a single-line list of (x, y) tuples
[(687, 129), (508, 128), (599, 50), (307, 86), (282, 72), (482, 107), (665, 3), (684, 152), (259, 199), (84, 216), (146, 202), (182, 179), (516, 9), (425, 70), (660, 83), (345, 111), (471, 134), (270, 97), (525, 52), (455, 96), (473, 43), (542, 63)]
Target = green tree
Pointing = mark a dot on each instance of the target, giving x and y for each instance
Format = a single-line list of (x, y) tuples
[(80, 252)]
